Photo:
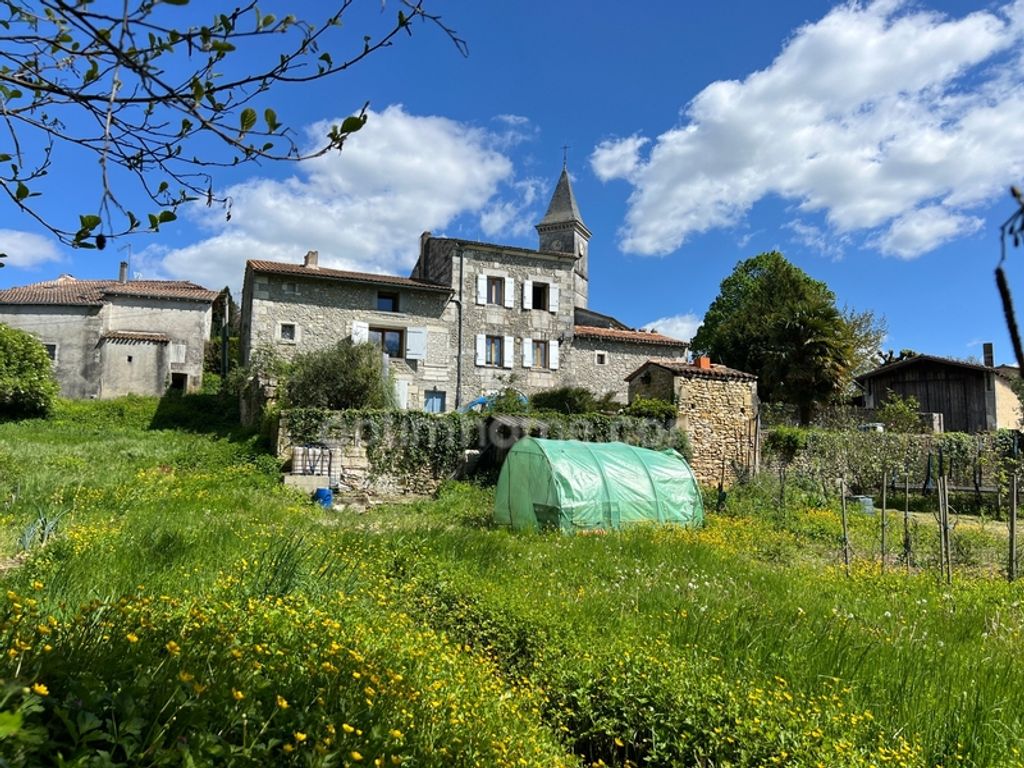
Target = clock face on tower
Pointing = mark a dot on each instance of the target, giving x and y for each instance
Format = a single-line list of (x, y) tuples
[(556, 245)]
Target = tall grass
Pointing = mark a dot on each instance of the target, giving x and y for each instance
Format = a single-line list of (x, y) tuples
[(185, 594)]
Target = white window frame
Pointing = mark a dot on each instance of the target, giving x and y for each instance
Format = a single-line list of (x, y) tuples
[(297, 332), (290, 288), (597, 357), (56, 350)]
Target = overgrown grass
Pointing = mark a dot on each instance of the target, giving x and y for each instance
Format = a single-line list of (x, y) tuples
[(186, 606)]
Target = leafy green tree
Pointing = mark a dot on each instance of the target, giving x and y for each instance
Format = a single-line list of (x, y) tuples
[(346, 375), (28, 386), (566, 400), (773, 320), (161, 98)]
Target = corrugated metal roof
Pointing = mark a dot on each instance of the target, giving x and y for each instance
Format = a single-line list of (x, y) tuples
[(323, 273)]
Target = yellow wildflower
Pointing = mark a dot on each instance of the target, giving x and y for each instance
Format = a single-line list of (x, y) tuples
[(282, 702), (173, 648), (40, 689), (237, 695)]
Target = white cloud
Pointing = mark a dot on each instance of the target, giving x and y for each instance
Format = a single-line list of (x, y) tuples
[(362, 209), (26, 249), (817, 239), (921, 230), (677, 326), (618, 158), (876, 113)]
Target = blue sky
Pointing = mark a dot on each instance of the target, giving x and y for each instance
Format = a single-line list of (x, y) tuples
[(872, 143)]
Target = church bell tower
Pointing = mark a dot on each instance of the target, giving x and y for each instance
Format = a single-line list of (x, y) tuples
[(562, 231)]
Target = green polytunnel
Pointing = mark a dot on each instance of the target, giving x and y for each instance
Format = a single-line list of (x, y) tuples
[(578, 486)]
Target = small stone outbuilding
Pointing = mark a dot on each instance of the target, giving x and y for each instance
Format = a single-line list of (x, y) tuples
[(715, 405), (109, 338)]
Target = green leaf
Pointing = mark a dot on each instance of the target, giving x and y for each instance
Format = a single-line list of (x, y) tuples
[(221, 46), (89, 222), (268, 114), (176, 2), (4, 158), (248, 119), (166, 216), (10, 724), (162, 188), (132, 221), (353, 124), (22, 192), (154, 222)]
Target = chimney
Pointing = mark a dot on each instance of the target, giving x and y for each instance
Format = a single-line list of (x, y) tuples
[(988, 354), (122, 275), (704, 363), (312, 260)]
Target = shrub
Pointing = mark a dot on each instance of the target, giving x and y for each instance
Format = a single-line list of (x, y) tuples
[(652, 408), (566, 400), (28, 386), (346, 375), (899, 414)]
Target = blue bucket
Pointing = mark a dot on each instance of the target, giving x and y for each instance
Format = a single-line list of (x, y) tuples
[(324, 497)]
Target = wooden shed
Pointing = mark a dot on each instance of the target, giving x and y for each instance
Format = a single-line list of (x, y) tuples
[(970, 397)]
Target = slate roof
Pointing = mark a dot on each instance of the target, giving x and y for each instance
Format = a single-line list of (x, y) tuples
[(585, 316), (563, 208), (691, 370), (68, 291), (155, 338), (634, 337), (914, 359), (369, 278)]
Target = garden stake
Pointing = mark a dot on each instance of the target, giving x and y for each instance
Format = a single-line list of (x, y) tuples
[(1012, 564), (906, 520), (885, 520), (846, 530)]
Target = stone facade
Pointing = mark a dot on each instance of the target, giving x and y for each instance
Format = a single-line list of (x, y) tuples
[(716, 406), (601, 362), (493, 316), (109, 338), (293, 309)]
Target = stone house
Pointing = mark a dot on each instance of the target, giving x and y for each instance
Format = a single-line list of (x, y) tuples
[(109, 338), (471, 318), (715, 405)]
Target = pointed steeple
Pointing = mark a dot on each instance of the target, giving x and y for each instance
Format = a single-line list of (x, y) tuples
[(563, 208), (562, 231)]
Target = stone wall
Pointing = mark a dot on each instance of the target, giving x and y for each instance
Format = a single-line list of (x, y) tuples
[(1008, 407), (74, 331), (185, 323), (655, 384), (621, 359), (323, 312), (555, 327), (720, 416)]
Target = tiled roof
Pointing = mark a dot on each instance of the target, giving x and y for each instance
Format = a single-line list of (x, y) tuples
[(635, 337), (691, 370), (585, 316), (298, 270), (66, 290), (156, 338)]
